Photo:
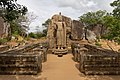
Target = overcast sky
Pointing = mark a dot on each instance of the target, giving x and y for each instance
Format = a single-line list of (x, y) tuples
[(44, 9)]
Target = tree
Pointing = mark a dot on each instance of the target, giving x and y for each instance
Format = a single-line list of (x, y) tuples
[(109, 20), (11, 12), (46, 24), (36, 35), (24, 21), (113, 26), (112, 22), (27, 19), (116, 11), (44, 32), (92, 18), (32, 35), (10, 9)]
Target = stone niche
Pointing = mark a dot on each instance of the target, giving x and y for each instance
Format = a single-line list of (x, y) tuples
[(4, 28)]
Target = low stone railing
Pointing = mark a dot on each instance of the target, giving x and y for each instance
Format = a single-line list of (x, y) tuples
[(4, 47), (96, 60), (25, 60)]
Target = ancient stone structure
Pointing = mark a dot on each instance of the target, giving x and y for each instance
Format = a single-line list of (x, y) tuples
[(23, 60), (97, 60), (91, 36), (61, 28), (4, 28), (99, 30), (77, 30)]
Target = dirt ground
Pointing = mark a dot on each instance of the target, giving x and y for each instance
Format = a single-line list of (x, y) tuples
[(60, 68)]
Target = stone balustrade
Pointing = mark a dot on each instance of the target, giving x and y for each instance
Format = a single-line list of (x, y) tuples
[(24, 60), (96, 60)]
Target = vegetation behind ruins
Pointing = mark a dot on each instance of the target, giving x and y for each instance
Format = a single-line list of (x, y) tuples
[(14, 13), (108, 21), (18, 18)]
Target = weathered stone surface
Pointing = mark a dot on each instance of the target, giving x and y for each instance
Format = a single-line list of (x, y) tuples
[(99, 30), (99, 61), (91, 36), (61, 28), (77, 30), (57, 31), (4, 29), (65, 19), (22, 60)]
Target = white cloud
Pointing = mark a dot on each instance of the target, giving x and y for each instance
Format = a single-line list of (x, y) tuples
[(44, 9), (75, 4)]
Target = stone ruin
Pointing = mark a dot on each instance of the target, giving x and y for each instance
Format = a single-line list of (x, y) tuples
[(71, 29), (95, 60), (99, 30), (62, 32), (4, 28), (77, 30)]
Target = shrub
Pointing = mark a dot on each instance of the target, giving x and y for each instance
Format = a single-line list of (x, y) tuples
[(98, 44), (32, 35), (2, 41), (36, 35)]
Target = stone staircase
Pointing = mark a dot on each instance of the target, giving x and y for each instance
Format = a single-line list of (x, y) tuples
[(24, 60), (97, 60)]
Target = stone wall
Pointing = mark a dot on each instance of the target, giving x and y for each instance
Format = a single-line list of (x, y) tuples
[(97, 60)]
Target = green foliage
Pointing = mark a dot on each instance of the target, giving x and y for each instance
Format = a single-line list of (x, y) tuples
[(109, 20), (40, 34), (32, 35), (10, 10), (98, 44), (116, 11), (36, 35), (46, 24), (112, 22), (2, 41), (44, 32), (14, 28), (113, 26), (93, 18)]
